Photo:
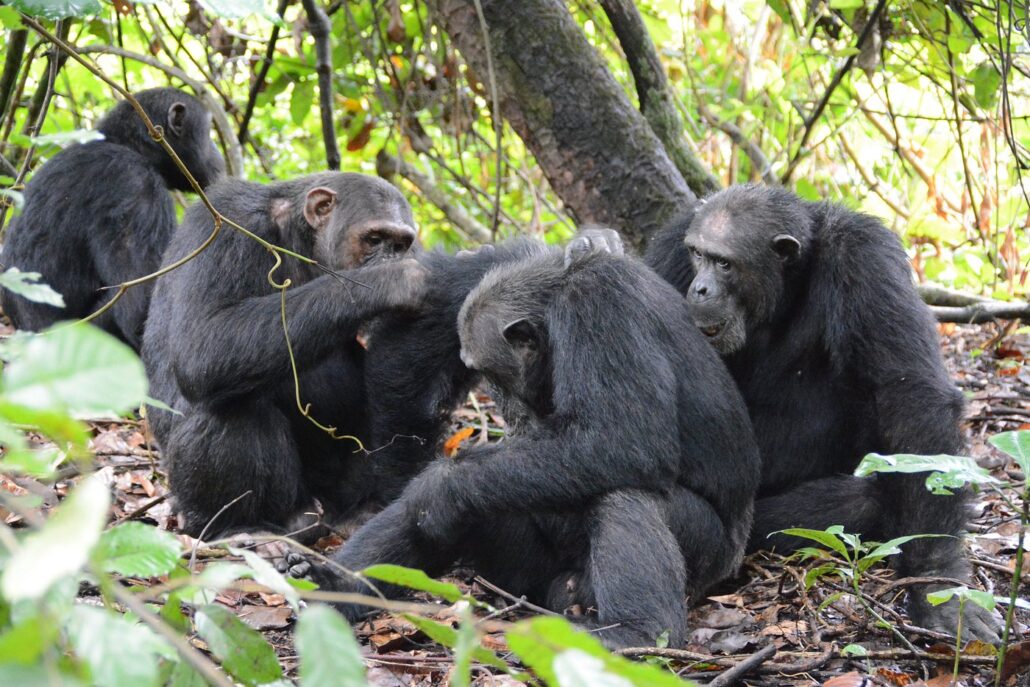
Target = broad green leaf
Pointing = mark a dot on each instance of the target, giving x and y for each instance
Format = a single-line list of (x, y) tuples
[(118, 652), (465, 645), (947, 472), (244, 653), (29, 286), (1015, 444), (62, 547), (575, 668), (36, 676), (77, 368), (64, 431), (137, 549), (266, 574), (26, 641), (825, 537), (986, 83), (57, 9), (846, 4), (818, 572), (413, 579), (855, 650), (538, 642), (450, 638), (980, 598), (329, 654), (10, 19), (302, 99), (160, 405)]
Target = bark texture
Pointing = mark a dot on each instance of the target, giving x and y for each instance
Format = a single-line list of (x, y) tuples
[(599, 153)]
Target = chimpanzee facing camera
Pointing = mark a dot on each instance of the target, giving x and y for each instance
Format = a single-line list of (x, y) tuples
[(814, 311), (632, 470), (98, 214)]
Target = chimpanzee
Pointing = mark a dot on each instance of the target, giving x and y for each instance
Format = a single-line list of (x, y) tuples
[(216, 352), (99, 213), (633, 468), (813, 309)]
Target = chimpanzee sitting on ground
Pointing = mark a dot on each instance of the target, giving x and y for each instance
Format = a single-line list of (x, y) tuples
[(634, 465), (99, 213), (216, 352), (813, 309)]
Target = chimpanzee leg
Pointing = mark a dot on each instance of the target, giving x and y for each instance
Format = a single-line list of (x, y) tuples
[(712, 548), (636, 571), (217, 457)]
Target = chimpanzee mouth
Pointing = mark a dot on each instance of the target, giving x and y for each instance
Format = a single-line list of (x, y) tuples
[(712, 330)]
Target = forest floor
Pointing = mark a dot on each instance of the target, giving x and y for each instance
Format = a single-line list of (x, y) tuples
[(766, 604)]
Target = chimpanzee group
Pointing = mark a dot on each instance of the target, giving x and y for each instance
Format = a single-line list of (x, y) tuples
[(664, 415)]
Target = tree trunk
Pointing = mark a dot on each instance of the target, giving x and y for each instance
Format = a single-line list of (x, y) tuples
[(599, 153)]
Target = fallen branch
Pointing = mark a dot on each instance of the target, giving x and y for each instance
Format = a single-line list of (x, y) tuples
[(955, 306), (738, 671)]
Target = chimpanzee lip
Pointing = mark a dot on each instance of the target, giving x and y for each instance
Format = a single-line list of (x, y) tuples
[(711, 330)]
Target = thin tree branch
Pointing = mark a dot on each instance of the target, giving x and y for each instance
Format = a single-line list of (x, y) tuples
[(656, 100), (873, 21), (320, 28), (731, 676), (758, 159), (12, 65), (387, 165), (259, 80)]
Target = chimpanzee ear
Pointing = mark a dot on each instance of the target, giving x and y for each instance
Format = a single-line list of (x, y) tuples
[(520, 334), (318, 206), (177, 118), (786, 246)]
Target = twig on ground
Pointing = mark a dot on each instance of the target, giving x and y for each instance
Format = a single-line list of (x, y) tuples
[(511, 597), (750, 663)]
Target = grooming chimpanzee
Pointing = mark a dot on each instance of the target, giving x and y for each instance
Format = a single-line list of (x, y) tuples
[(215, 349), (813, 309), (633, 467), (99, 213)]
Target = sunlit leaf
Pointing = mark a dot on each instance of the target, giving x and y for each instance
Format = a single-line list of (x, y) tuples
[(118, 652), (413, 579), (244, 653), (57, 9), (946, 472), (133, 548), (329, 654), (28, 286), (1015, 444)]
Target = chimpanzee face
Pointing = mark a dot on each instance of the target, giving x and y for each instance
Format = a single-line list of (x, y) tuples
[(358, 220), (740, 255)]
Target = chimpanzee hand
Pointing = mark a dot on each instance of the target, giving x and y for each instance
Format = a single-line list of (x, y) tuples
[(396, 283), (593, 240), (977, 622), (433, 503)]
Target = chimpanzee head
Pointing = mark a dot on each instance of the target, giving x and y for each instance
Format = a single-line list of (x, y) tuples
[(350, 219), (187, 128), (745, 243), (503, 330)]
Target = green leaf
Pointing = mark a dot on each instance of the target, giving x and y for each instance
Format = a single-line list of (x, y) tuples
[(986, 82), (855, 650), (301, 100), (807, 190), (10, 18), (56, 425), (540, 641), (827, 538), (26, 641), (329, 654), (62, 547), (37, 676), (27, 285), (244, 653), (947, 472), (450, 638), (118, 652), (846, 4), (160, 405), (413, 579), (983, 599), (819, 572), (1015, 444), (266, 574), (465, 645), (133, 548), (240, 9), (57, 9), (78, 368)]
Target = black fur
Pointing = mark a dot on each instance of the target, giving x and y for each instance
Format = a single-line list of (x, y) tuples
[(633, 469), (837, 357), (215, 350), (99, 213)]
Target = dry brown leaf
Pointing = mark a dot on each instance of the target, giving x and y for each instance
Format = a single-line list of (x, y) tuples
[(1017, 660), (729, 600), (895, 677), (266, 617), (852, 679)]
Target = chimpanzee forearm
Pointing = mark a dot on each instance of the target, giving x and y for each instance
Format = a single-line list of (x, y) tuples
[(240, 347)]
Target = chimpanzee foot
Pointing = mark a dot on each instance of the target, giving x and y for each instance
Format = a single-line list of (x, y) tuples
[(977, 622)]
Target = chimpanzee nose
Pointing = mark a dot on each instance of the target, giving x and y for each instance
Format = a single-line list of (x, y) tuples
[(699, 291), (392, 238)]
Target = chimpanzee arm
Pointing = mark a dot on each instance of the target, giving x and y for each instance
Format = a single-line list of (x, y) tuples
[(235, 339)]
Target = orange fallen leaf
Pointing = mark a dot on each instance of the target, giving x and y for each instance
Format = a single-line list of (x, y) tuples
[(894, 677), (852, 679), (454, 442)]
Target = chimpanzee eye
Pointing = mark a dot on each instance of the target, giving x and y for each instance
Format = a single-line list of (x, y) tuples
[(724, 265), (374, 239), (696, 253)]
